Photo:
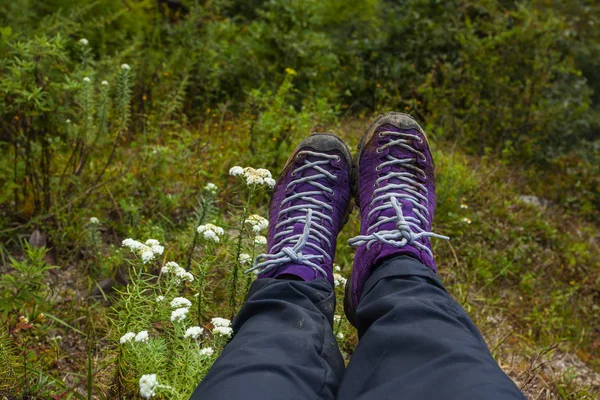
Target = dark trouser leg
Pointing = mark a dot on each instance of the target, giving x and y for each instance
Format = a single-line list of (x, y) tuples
[(416, 342), (283, 347)]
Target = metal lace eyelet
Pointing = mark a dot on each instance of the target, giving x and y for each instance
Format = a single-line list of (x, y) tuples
[(379, 152), (381, 134), (378, 168), (338, 158)]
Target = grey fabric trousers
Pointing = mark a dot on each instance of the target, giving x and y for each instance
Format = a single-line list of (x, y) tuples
[(416, 342)]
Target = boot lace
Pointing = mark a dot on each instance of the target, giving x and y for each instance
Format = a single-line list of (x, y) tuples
[(290, 248), (408, 229)]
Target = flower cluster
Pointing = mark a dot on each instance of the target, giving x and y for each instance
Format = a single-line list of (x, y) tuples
[(207, 351), (146, 251), (182, 307), (94, 221), (257, 223), (193, 332), (245, 258), (261, 240), (211, 188), (252, 176), (211, 232), (222, 327), (339, 280), (179, 273), (142, 337), (466, 220), (148, 385)]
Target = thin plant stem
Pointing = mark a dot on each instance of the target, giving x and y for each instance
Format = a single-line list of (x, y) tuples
[(236, 266)]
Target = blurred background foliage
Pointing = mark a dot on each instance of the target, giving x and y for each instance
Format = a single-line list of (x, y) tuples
[(519, 80)]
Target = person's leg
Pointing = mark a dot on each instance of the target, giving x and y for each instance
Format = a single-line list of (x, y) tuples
[(416, 342), (283, 347)]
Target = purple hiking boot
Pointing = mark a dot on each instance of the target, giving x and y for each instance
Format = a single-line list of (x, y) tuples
[(309, 206), (395, 189)]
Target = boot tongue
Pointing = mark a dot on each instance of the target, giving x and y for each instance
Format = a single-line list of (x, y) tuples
[(305, 187)]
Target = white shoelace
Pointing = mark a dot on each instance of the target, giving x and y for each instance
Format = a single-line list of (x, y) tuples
[(312, 220), (408, 229)]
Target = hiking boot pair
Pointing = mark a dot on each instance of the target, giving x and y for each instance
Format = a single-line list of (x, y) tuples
[(391, 180)]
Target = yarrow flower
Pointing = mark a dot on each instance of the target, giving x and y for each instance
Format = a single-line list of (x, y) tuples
[(142, 336), (337, 318), (336, 268), (466, 220), (222, 331), (211, 188), (147, 251), (218, 321), (86, 79), (253, 176), (125, 67), (179, 314), (160, 298), (179, 273), (260, 240), (211, 232), (340, 335), (104, 83), (257, 222), (148, 385), (193, 332), (94, 221), (463, 205), (179, 302), (83, 41), (244, 258), (339, 280), (235, 171), (127, 337), (207, 351)]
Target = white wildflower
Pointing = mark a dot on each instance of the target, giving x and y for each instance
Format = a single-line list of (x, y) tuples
[(86, 79), (336, 268), (463, 205), (148, 385), (160, 298), (253, 177), (144, 251), (193, 332), (94, 221), (222, 331), (257, 222), (155, 246), (244, 258), (207, 351), (264, 173), (337, 318), (68, 121), (270, 182), (147, 255), (211, 232), (142, 336), (260, 240), (125, 67), (466, 220), (179, 273), (211, 187), (104, 83), (235, 171), (339, 280), (217, 321), (179, 302), (83, 41), (340, 335), (127, 337), (179, 314)]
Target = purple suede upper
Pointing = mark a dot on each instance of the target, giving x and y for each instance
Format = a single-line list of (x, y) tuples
[(339, 200), (368, 162)]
